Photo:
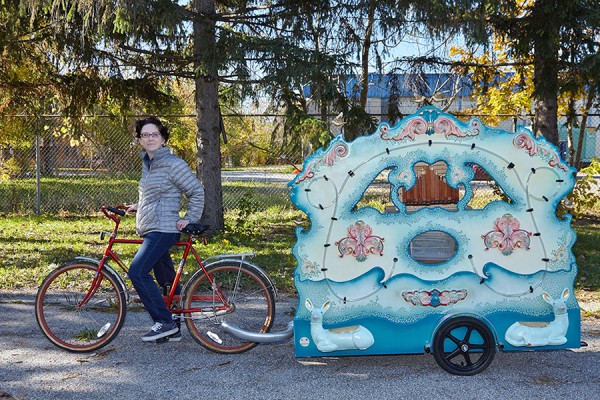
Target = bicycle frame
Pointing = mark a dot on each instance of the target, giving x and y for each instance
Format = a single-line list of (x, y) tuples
[(174, 302)]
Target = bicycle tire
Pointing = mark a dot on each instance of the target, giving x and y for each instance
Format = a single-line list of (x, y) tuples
[(77, 328), (252, 300)]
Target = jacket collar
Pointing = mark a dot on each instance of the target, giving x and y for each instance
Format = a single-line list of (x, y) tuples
[(158, 154)]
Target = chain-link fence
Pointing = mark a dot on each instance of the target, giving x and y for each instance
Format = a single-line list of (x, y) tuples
[(54, 165), (57, 165)]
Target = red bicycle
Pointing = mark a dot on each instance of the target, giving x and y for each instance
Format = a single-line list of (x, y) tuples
[(81, 305)]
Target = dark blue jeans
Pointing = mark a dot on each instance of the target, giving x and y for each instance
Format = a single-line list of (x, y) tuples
[(154, 254)]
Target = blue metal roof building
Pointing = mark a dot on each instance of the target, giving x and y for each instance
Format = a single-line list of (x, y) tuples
[(407, 85), (437, 88)]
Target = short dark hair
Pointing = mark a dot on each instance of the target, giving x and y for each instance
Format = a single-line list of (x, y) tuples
[(139, 124)]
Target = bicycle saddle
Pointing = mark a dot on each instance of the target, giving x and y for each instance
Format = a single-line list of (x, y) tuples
[(195, 229)]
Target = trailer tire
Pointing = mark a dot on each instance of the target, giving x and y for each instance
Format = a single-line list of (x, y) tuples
[(464, 346)]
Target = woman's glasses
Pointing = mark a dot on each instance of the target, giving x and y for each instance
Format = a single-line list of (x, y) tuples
[(150, 135)]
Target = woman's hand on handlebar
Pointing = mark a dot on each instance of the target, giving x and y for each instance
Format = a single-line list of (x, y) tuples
[(131, 209), (182, 223)]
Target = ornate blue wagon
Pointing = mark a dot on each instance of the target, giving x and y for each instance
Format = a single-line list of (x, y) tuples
[(457, 281)]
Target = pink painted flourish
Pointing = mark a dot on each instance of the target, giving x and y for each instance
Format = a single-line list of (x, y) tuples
[(360, 242), (523, 141), (435, 297), (339, 150), (507, 235), (306, 173), (555, 162), (447, 127), (416, 126)]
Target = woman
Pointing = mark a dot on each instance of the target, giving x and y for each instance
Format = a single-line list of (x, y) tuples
[(165, 178)]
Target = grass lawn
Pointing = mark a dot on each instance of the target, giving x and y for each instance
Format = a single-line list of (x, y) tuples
[(30, 247), (80, 195)]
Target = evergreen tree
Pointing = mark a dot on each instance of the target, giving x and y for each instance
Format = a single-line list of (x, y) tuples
[(252, 44), (548, 31)]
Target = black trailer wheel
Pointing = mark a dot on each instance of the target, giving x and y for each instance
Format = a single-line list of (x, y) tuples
[(464, 346)]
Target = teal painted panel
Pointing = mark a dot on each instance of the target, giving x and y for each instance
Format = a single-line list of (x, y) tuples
[(360, 290)]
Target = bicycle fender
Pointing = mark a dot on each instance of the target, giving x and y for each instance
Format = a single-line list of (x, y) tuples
[(255, 267), (110, 270), (236, 256)]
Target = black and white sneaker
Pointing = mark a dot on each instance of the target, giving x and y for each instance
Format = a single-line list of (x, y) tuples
[(160, 331), (176, 337)]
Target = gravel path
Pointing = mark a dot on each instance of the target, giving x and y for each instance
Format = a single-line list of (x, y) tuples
[(32, 368)]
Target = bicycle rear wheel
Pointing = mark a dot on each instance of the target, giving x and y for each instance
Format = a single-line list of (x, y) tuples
[(67, 322), (240, 294)]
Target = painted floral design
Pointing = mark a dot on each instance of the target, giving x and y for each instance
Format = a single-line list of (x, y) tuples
[(309, 269), (560, 254), (360, 242), (435, 297), (507, 235)]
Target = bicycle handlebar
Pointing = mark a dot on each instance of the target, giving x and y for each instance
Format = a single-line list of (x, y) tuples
[(116, 211), (119, 210), (191, 229)]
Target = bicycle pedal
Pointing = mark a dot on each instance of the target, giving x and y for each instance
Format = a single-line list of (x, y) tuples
[(161, 340)]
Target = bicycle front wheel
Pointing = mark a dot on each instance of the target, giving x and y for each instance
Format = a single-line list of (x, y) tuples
[(232, 291), (68, 321)]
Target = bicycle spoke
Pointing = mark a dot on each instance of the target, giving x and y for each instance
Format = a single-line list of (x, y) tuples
[(71, 324), (238, 295)]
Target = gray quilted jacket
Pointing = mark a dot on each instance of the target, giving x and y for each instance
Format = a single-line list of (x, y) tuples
[(164, 179)]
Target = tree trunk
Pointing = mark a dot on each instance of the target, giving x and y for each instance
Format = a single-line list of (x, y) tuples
[(584, 119), (352, 131), (319, 88), (546, 118), (208, 117), (545, 74), (364, 56), (571, 122)]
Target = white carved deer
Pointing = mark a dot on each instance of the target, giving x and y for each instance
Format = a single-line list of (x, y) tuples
[(544, 333), (347, 338)]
